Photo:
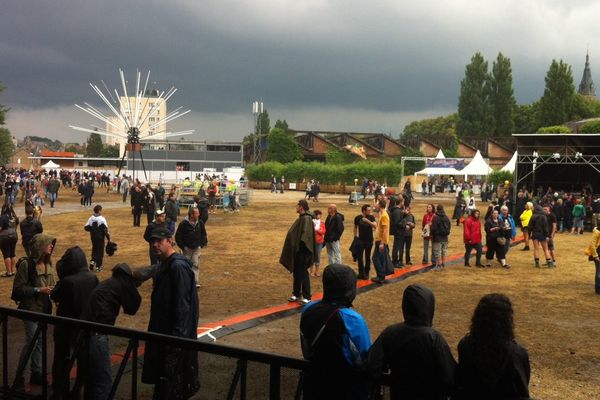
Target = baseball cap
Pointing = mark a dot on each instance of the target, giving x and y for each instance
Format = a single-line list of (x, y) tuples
[(159, 211), (161, 233)]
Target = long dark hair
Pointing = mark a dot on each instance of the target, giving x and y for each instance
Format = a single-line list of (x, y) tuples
[(492, 333)]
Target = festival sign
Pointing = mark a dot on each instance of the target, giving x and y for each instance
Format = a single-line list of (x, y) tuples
[(445, 163)]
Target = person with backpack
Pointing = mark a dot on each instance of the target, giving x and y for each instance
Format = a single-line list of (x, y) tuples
[(335, 338), (440, 230), (8, 238), (29, 228), (31, 290), (97, 226)]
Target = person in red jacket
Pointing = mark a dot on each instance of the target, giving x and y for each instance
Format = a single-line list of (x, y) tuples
[(472, 238), (319, 240), (427, 218)]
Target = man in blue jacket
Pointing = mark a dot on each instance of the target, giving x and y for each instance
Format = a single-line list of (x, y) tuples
[(336, 339), (509, 227)]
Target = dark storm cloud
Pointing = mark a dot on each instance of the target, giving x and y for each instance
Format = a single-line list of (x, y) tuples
[(384, 57)]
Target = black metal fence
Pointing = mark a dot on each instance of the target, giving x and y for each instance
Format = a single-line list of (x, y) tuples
[(225, 372)]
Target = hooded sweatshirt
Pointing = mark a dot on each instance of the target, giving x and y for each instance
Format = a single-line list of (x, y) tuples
[(75, 285), (336, 339), (538, 224), (422, 366), (30, 298)]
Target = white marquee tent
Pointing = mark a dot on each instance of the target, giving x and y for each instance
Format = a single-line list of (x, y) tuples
[(511, 165), (477, 166), (438, 170), (50, 165)]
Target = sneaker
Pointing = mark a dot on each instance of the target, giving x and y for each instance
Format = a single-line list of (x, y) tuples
[(399, 266), (507, 266), (551, 264), (409, 263), (304, 301), (537, 264), (377, 280), (525, 248), (292, 298), (467, 265), (437, 268), (92, 265), (480, 265)]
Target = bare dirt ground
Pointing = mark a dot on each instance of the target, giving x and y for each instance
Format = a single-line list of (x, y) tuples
[(556, 311)]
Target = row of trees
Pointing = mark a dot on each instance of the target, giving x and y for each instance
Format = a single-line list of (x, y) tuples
[(487, 105)]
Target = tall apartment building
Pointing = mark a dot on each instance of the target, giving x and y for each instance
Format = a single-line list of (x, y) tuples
[(151, 114)]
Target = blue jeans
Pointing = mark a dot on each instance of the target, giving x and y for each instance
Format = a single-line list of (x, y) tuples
[(318, 249), (52, 197), (469, 248), (426, 245), (98, 372), (379, 260), (334, 253), (36, 355)]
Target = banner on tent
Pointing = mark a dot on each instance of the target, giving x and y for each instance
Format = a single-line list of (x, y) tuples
[(445, 163)]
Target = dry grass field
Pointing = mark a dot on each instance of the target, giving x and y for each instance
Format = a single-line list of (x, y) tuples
[(556, 311)]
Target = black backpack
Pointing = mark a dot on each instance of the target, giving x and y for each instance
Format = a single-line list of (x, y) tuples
[(442, 226)]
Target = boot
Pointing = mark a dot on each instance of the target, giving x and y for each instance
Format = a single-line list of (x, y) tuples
[(550, 264), (537, 264), (525, 248)]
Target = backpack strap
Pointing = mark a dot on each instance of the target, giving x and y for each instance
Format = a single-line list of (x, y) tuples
[(319, 333)]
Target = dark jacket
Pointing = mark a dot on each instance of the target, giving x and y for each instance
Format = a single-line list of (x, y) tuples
[(334, 227), (191, 235), (111, 294), (538, 224), (491, 235), (88, 189), (299, 238), (440, 225), (508, 380), (136, 198), (29, 228), (97, 232), (174, 310), (203, 208), (421, 364), (336, 339), (396, 218), (76, 283), (172, 210)]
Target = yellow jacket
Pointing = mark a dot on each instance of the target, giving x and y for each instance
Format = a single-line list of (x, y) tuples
[(525, 217), (592, 249)]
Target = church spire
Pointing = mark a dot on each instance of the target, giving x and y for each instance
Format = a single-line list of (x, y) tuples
[(586, 87)]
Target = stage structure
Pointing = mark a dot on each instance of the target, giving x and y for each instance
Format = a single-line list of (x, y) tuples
[(562, 161), (130, 121)]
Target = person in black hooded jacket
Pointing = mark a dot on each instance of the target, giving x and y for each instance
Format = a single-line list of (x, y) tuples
[(71, 292), (422, 366), (30, 227), (336, 339), (492, 365)]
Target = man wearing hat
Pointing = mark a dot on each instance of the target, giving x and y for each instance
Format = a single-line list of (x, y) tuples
[(160, 221), (174, 311)]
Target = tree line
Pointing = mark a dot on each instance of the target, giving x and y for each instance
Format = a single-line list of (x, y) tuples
[(487, 106)]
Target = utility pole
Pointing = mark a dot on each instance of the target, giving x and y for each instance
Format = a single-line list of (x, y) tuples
[(257, 110)]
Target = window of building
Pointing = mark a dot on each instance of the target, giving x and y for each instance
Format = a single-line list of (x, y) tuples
[(223, 147), (183, 166), (80, 163)]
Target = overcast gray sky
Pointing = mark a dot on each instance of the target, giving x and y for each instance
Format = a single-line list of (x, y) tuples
[(322, 65)]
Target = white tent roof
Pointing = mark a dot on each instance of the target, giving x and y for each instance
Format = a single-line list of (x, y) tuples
[(440, 154), (477, 166), (510, 166), (439, 171), (50, 165)]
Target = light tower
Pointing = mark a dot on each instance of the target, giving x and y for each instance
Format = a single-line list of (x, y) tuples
[(257, 110)]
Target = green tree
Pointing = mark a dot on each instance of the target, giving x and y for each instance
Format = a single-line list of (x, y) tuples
[(502, 99), (94, 146), (335, 155), (263, 123), (281, 125), (444, 126), (71, 148), (283, 147), (7, 147), (525, 118), (584, 107), (554, 129), (557, 102), (590, 127), (110, 151), (474, 111)]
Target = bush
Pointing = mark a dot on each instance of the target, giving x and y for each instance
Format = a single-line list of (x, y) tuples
[(497, 177), (590, 127), (554, 129), (386, 171)]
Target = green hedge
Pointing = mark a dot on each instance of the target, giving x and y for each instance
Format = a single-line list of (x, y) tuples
[(497, 177), (389, 171), (554, 129), (590, 127)]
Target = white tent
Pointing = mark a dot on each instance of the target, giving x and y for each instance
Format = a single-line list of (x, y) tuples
[(440, 154), (477, 166), (439, 171), (50, 165), (510, 166)]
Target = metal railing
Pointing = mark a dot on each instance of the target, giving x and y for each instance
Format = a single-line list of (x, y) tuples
[(239, 381)]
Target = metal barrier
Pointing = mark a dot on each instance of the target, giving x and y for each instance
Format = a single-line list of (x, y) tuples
[(245, 381)]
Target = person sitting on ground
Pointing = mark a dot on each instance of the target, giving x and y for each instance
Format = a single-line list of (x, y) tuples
[(336, 339), (420, 361), (491, 364)]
